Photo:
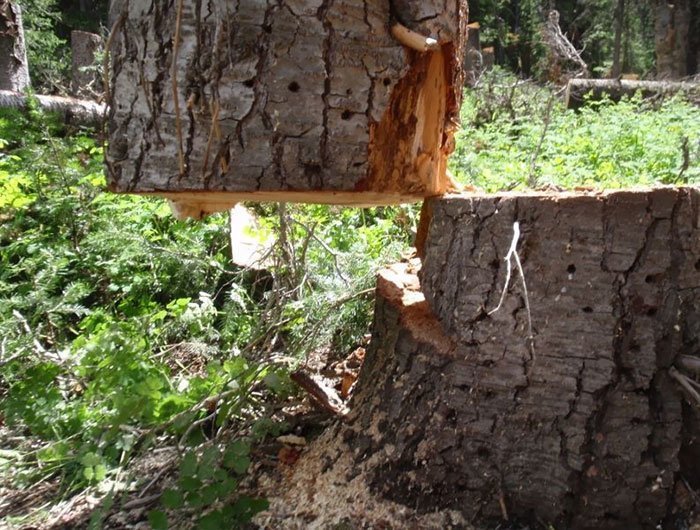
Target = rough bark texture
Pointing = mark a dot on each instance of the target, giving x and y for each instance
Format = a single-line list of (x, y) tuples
[(73, 111), (14, 70), (309, 100), (580, 428), (576, 89), (85, 82), (671, 27)]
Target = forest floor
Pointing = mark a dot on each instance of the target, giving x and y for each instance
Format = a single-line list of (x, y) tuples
[(309, 478), (292, 472)]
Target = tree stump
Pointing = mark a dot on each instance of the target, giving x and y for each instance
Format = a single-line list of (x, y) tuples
[(337, 101), (581, 425), (85, 81)]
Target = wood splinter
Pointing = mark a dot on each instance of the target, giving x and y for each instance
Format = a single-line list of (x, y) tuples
[(413, 40)]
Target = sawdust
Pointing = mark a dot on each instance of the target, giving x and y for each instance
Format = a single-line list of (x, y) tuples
[(327, 489)]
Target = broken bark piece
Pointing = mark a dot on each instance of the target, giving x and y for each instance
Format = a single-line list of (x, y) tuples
[(300, 101), (323, 394), (454, 411)]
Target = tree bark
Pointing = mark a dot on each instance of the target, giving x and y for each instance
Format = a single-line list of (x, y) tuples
[(671, 28), (579, 425), (301, 100), (14, 69), (577, 89), (85, 81), (73, 111)]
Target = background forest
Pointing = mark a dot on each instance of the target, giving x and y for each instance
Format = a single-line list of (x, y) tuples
[(123, 330)]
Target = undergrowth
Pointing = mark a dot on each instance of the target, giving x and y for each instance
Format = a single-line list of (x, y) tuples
[(122, 328), (518, 135)]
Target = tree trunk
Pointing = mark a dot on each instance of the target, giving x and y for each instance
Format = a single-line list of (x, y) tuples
[(302, 100), (473, 60), (14, 70), (671, 28), (616, 69), (85, 80), (577, 423), (577, 89)]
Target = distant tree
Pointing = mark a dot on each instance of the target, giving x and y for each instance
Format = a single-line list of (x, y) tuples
[(14, 71), (676, 39)]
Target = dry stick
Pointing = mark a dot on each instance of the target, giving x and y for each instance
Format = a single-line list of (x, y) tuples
[(413, 40), (176, 99), (688, 362), (685, 384), (328, 249)]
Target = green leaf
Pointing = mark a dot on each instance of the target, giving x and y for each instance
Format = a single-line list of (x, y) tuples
[(190, 484), (208, 463), (188, 466), (100, 472), (245, 508), (88, 473), (209, 494), (211, 521), (90, 459), (172, 499), (158, 520), (241, 464)]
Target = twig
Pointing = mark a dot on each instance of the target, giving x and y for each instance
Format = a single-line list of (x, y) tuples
[(138, 503), (688, 362), (176, 97), (28, 331), (192, 426), (692, 492), (413, 40), (328, 249), (684, 382)]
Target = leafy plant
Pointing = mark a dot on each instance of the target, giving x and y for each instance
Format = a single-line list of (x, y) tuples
[(510, 137), (120, 324), (207, 483)]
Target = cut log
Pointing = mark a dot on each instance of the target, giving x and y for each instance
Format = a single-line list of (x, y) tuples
[(615, 89), (14, 69), (581, 427), (73, 111), (301, 100)]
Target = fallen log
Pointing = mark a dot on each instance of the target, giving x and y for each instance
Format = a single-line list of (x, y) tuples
[(615, 89), (343, 102), (73, 111), (569, 414)]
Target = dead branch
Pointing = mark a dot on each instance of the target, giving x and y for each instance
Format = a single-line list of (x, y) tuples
[(321, 393)]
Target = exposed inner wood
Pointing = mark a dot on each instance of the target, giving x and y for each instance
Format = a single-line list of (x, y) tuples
[(283, 101)]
